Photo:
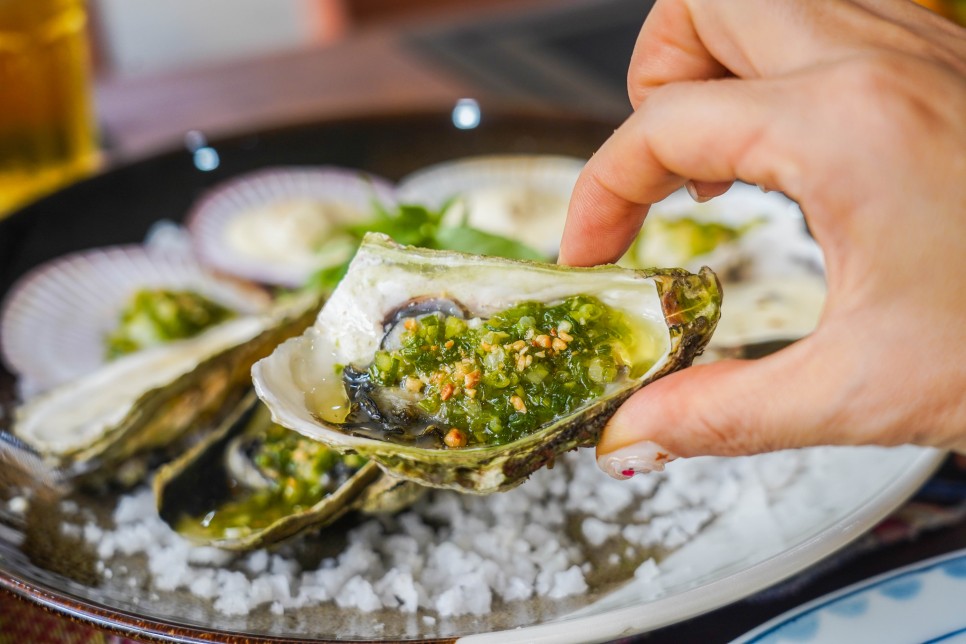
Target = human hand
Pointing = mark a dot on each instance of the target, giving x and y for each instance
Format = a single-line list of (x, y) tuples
[(857, 110)]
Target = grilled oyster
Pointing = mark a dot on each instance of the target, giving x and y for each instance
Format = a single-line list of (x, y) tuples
[(252, 483), (53, 321), (147, 400), (331, 383), (743, 235)]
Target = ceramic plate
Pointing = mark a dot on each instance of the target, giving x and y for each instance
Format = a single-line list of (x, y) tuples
[(924, 602), (836, 494)]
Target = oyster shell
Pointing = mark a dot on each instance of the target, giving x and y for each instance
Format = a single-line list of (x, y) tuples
[(762, 317), (230, 492), (742, 235), (269, 225), (148, 400), (301, 382), (54, 320), (775, 309)]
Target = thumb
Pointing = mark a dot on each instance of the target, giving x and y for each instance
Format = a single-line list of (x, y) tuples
[(730, 408)]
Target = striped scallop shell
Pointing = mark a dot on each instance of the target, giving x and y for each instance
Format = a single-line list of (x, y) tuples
[(520, 196), (267, 225), (54, 320)]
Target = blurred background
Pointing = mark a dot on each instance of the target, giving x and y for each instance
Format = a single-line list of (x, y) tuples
[(87, 84), (90, 85), (237, 61)]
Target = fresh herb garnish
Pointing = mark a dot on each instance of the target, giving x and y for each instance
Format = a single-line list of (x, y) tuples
[(417, 225)]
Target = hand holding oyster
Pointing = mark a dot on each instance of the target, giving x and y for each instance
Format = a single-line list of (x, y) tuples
[(470, 372)]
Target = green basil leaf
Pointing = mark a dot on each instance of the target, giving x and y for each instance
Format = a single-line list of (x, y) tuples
[(472, 240)]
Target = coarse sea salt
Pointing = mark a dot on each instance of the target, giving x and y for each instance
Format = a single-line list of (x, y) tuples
[(452, 554)]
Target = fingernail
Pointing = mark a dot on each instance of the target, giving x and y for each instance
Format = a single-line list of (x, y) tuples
[(693, 191), (762, 187), (638, 458)]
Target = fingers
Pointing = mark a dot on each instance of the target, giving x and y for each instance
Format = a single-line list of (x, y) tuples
[(667, 141), (790, 399), (668, 50), (835, 387), (707, 39), (882, 63), (605, 226), (910, 27), (702, 191)]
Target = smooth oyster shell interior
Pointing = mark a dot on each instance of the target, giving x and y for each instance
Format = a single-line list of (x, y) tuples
[(301, 382)]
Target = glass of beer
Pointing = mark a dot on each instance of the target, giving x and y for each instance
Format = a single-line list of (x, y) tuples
[(47, 135)]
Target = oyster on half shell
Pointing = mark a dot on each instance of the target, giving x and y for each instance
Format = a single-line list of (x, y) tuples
[(148, 400), (312, 383), (251, 484)]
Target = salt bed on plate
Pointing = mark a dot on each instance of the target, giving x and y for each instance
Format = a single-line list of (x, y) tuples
[(453, 554)]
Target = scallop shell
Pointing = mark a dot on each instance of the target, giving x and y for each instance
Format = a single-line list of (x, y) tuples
[(54, 319), (266, 225), (520, 196), (770, 309)]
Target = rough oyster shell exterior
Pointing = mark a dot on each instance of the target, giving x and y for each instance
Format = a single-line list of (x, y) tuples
[(384, 275), (198, 481)]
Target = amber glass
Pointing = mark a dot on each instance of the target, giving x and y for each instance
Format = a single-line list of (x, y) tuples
[(47, 133)]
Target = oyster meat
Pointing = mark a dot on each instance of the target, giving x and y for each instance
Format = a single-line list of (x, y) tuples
[(252, 483), (470, 372)]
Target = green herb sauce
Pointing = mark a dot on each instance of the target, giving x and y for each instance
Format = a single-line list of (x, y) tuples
[(691, 237), (299, 473), (500, 379), (677, 241), (156, 316)]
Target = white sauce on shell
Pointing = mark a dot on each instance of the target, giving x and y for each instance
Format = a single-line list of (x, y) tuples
[(290, 232), (776, 309)]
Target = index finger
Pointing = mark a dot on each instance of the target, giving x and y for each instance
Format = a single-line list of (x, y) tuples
[(668, 139)]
